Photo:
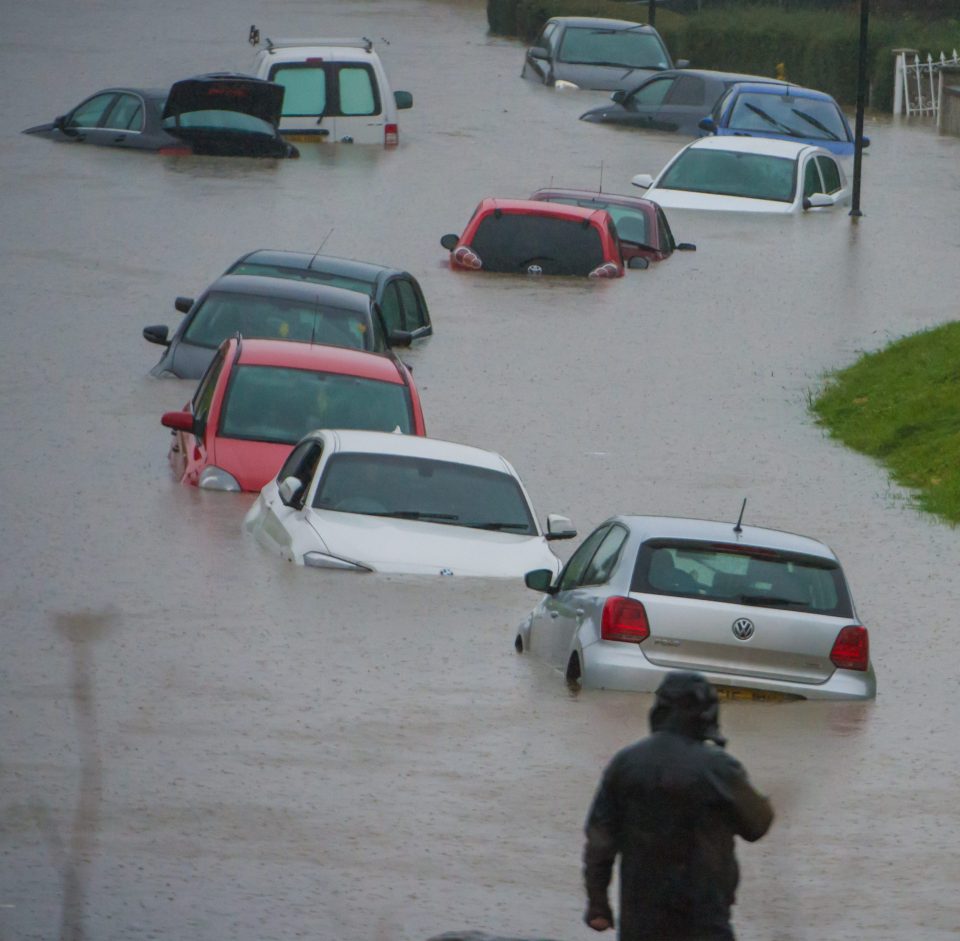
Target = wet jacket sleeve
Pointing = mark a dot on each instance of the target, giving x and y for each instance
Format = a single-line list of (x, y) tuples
[(600, 850), (750, 811)]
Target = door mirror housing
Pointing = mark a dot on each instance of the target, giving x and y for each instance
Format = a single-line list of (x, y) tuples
[(183, 304), (559, 527), (864, 141), (538, 52), (643, 180), (400, 337), (449, 242), (708, 124), (686, 247), (619, 96), (404, 99), (179, 421), (157, 334), (540, 580), (290, 489), (638, 261), (681, 64), (819, 201)]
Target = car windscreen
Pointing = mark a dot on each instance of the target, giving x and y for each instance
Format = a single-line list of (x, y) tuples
[(305, 274), (740, 574), (729, 173), (631, 223), (784, 114), (431, 491), (513, 242), (275, 403), (227, 121), (223, 314), (621, 47)]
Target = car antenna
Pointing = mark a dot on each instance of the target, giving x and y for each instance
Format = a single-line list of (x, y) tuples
[(738, 528), (320, 249)]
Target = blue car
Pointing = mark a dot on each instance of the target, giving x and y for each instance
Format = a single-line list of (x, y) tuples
[(751, 109)]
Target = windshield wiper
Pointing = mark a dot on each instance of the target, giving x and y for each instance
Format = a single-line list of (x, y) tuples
[(810, 119), (769, 600), (772, 120), (500, 526), (418, 515)]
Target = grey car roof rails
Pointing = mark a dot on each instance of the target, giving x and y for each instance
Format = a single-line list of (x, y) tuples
[(360, 42)]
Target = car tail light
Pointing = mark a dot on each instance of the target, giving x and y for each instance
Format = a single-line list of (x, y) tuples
[(624, 619), (851, 649), (606, 270), (175, 150), (391, 135), (467, 257)]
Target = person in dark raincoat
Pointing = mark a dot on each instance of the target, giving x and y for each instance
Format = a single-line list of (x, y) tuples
[(670, 806)]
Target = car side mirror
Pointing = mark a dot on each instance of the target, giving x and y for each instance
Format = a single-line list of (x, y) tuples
[(643, 180), (864, 141), (538, 52), (638, 261), (708, 124), (559, 527), (183, 304), (540, 580), (157, 334), (449, 242), (400, 337), (290, 489), (179, 421), (819, 201), (618, 96), (681, 64), (403, 99), (686, 247)]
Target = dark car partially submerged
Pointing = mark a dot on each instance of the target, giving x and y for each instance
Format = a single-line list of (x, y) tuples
[(222, 114)]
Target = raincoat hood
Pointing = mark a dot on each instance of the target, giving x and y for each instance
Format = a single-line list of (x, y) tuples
[(688, 705)]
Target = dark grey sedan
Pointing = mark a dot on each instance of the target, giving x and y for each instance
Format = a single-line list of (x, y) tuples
[(594, 52), (396, 292), (676, 100), (271, 308)]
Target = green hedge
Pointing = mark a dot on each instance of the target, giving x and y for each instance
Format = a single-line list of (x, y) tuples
[(818, 49)]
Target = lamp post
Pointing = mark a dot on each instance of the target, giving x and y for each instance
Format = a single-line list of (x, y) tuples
[(861, 99), (652, 11)]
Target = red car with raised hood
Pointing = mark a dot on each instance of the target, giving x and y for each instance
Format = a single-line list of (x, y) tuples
[(525, 236), (258, 398)]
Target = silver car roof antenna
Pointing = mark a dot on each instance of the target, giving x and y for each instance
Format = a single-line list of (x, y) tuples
[(738, 528)]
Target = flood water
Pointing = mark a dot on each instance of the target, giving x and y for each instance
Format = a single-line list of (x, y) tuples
[(199, 742)]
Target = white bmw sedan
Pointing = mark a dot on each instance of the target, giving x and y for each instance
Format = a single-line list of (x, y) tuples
[(367, 501), (749, 174), (761, 613)]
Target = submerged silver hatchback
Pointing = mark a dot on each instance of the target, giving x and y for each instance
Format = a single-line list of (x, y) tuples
[(761, 613)]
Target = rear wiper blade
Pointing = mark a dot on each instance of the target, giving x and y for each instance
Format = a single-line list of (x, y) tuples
[(418, 515), (499, 526), (769, 600)]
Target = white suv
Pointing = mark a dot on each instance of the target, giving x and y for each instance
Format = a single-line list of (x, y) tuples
[(335, 90)]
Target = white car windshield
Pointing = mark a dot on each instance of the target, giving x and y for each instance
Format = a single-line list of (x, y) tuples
[(730, 173), (273, 403), (431, 491), (624, 48)]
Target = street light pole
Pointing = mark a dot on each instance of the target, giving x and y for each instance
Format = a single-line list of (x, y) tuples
[(652, 11), (861, 101)]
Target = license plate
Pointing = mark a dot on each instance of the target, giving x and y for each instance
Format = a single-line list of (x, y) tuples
[(741, 694)]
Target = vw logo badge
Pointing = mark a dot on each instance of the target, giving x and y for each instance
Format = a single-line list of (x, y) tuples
[(743, 628), (534, 269)]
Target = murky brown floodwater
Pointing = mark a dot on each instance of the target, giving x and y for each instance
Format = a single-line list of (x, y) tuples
[(200, 743)]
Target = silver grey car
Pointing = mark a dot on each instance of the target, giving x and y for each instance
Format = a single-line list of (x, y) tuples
[(762, 613)]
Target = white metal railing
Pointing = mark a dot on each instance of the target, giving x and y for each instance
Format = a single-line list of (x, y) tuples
[(916, 88)]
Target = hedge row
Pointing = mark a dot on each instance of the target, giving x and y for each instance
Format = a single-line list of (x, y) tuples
[(818, 49)]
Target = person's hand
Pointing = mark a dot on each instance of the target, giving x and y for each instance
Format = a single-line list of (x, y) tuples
[(600, 923)]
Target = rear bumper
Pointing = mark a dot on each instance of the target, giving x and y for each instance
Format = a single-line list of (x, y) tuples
[(607, 665)]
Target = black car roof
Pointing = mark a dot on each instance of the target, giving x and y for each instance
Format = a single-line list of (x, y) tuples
[(601, 22), (291, 290), (330, 264)]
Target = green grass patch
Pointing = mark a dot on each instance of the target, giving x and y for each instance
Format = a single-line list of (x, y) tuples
[(901, 405)]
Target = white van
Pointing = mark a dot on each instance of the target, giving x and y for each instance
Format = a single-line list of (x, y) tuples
[(335, 90)]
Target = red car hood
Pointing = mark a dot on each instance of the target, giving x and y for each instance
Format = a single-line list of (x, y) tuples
[(252, 463)]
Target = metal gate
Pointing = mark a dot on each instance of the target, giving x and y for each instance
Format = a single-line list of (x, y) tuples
[(916, 88)]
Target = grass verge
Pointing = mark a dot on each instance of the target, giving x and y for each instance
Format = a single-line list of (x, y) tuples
[(901, 405)]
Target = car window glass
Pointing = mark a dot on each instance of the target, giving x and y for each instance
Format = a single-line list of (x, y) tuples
[(126, 114), (425, 490), (547, 36), (811, 179), (205, 389), (222, 314), (278, 404), (293, 464), (390, 307), (575, 567), (651, 94), (305, 89), (786, 114), (631, 224), (729, 173), (512, 242), (687, 90), (667, 241), (90, 113), (605, 558), (357, 90), (623, 47), (830, 173), (413, 313)]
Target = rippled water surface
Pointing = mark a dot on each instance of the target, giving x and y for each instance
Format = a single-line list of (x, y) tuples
[(201, 743)]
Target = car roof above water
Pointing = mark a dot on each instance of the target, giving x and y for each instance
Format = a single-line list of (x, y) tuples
[(328, 264), (767, 146), (600, 22), (677, 527), (318, 357), (304, 291)]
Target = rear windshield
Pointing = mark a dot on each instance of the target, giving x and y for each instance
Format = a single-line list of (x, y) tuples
[(426, 490), (305, 274), (220, 121), (223, 314), (273, 403), (742, 575), (514, 242), (619, 47), (783, 114)]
